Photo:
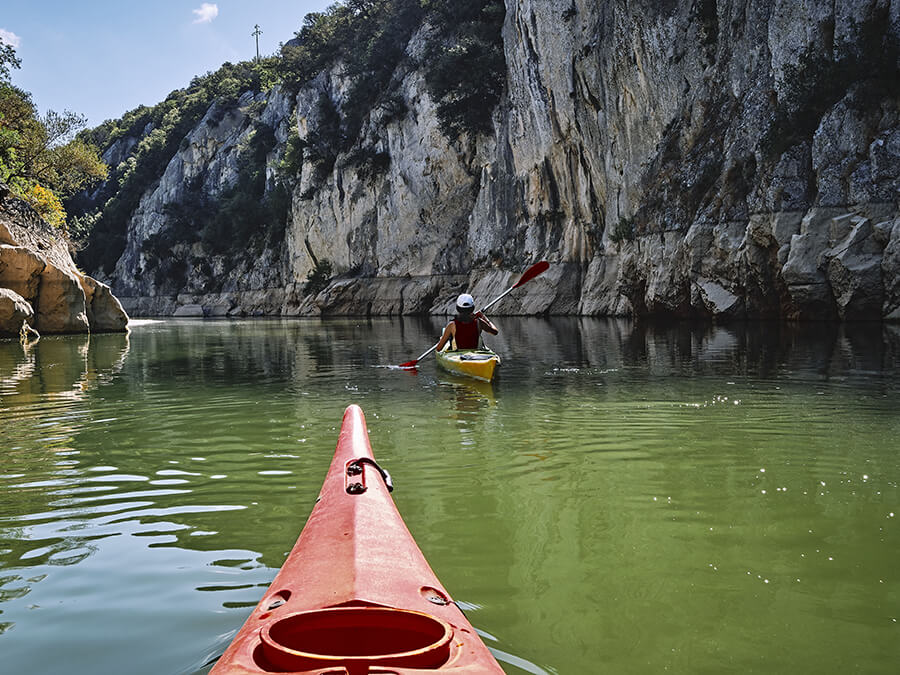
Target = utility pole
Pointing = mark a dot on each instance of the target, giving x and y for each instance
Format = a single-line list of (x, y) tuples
[(256, 33)]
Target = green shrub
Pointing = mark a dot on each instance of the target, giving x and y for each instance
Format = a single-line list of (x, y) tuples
[(244, 214), (318, 278), (465, 66), (325, 141), (369, 162), (623, 231), (292, 160)]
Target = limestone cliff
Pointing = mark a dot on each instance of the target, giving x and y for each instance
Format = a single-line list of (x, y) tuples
[(726, 158), (40, 286)]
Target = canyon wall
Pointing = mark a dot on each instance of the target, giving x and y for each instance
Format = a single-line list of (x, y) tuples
[(729, 159)]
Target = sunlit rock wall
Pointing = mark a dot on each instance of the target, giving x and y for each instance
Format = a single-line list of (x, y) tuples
[(691, 158), (207, 164), (732, 159), (43, 287)]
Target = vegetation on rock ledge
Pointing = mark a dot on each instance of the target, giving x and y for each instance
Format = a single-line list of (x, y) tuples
[(368, 41), (466, 65), (157, 134)]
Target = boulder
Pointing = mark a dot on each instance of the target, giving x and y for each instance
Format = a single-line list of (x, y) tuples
[(36, 265), (189, 310), (5, 235), (104, 311), (60, 305), (54, 293), (854, 271), (718, 300), (890, 268), (14, 312), (20, 270), (385, 296), (807, 284)]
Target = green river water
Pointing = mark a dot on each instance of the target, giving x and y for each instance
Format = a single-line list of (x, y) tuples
[(623, 499)]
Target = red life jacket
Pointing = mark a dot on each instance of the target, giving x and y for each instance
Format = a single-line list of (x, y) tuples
[(467, 334)]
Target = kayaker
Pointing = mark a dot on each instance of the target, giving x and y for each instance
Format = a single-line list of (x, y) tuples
[(465, 328)]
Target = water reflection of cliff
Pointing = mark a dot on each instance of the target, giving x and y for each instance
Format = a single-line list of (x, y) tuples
[(42, 392), (204, 374), (58, 367), (763, 349), (66, 366), (297, 350)]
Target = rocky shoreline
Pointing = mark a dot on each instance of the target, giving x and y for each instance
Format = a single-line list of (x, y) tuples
[(41, 289), (822, 264)]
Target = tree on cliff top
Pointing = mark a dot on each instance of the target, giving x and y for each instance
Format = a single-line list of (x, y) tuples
[(8, 61), (465, 66), (39, 158)]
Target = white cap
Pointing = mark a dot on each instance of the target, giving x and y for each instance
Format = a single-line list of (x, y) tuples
[(465, 301)]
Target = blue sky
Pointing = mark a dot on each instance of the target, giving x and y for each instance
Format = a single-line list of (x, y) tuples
[(101, 58)]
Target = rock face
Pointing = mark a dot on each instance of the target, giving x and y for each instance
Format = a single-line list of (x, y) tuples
[(719, 158), (104, 311), (14, 312), (41, 285), (206, 165)]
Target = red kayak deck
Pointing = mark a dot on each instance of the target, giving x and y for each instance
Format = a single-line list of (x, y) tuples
[(356, 595)]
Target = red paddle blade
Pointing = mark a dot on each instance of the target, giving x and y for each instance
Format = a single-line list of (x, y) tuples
[(532, 272), (409, 364)]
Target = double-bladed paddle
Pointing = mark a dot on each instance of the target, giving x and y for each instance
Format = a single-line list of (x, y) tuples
[(530, 273)]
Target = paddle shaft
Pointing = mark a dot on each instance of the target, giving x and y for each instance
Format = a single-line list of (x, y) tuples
[(499, 298), (433, 347)]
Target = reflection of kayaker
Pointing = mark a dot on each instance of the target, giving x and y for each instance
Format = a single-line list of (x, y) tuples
[(464, 330), (355, 594)]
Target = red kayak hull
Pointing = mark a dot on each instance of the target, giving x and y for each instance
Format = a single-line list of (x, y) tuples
[(356, 595)]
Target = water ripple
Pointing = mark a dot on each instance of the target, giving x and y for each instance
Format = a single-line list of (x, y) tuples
[(645, 481)]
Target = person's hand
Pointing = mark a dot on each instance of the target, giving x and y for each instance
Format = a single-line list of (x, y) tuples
[(480, 315)]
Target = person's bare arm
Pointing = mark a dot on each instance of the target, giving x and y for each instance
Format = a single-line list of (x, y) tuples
[(487, 324), (446, 335)]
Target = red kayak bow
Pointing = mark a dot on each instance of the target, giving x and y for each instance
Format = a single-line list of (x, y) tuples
[(356, 596)]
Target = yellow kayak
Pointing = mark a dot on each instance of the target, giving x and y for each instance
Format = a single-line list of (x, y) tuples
[(477, 363)]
